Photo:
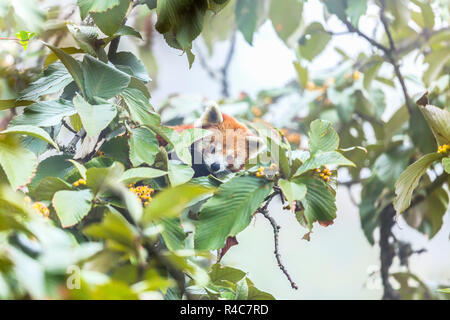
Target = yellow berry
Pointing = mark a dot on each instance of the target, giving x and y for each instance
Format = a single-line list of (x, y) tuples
[(356, 75), (260, 174)]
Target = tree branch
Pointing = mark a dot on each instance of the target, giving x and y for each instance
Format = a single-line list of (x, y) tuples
[(276, 230), (226, 66)]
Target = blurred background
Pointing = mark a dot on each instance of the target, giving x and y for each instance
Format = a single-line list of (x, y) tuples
[(338, 262)]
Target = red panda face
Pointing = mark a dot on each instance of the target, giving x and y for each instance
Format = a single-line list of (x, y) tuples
[(229, 145)]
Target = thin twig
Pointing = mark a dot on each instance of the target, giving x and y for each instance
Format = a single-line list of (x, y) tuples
[(276, 230)]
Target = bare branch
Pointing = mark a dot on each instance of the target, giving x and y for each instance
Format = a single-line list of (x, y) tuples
[(276, 230)]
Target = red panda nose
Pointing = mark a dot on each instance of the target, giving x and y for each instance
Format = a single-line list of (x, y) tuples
[(215, 166)]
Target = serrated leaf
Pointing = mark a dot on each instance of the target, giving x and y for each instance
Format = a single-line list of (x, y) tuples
[(143, 146), (96, 117), (110, 20), (229, 211), (179, 173), (87, 6), (439, 121), (140, 108), (47, 187), (129, 63), (45, 113), (173, 234), (72, 206), (32, 131), (319, 203), (103, 80), (292, 190), (322, 136), (53, 79)]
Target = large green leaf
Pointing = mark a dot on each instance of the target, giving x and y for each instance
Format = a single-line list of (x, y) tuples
[(47, 187), (229, 211), (313, 41), (138, 174), (110, 21), (72, 65), (103, 80), (87, 6), (319, 203), (143, 146), (54, 166), (409, 180), (439, 121), (140, 108), (355, 9), (322, 136), (292, 190), (54, 79), (100, 179), (130, 64), (72, 206), (247, 15), (285, 16), (17, 162), (320, 159), (171, 202), (32, 131), (45, 113), (96, 117), (179, 173)]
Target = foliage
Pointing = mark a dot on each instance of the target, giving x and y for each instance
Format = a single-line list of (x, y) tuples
[(125, 221)]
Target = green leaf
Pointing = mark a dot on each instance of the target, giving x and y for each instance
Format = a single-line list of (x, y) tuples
[(17, 162), (54, 166), (229, 211), (324, 159), (173, 234), (427, 13), (103, 80), (241, 289), (221, 274), (302, 74), (389, 166), (45, 113), (81, 168), (372, 72), (179, 173), (54, 79), (138, 174), (87, 6), (128, 31), (99, 179), (72, 65), (427, 216), (313, 41), (32, 131), (140, 108), (96, 117), (47, 187), (247, 12), (322, 137), (170, 202), (446, 164), (115, 229), (143, 146), (370, 207), (86, 38), (52, 57), (319, 203), (355, 9), (285, 16), (292, 190), (409, 180), (110, 21), (130, 64), (439, 121), (72, 206)]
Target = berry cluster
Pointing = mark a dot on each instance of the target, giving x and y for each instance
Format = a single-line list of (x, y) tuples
[(444, 148), (79, 182), (41, 208), (144, 193), (260, 173), (324, 174)]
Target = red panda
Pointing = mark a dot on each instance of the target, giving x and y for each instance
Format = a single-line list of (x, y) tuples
[(227, 148)]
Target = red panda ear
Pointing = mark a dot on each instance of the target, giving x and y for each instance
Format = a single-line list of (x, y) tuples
[(212, 115), (255, 145)]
